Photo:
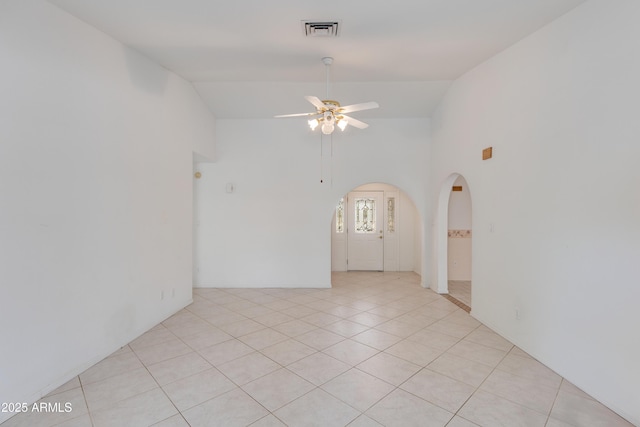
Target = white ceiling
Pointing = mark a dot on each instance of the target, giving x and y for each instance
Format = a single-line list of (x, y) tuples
[(250, 58)]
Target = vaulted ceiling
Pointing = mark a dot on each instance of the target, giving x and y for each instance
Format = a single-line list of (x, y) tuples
[(251, 58)]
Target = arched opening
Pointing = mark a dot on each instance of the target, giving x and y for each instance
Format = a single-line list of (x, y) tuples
[(453, 239), (376, 227), (459, 242)]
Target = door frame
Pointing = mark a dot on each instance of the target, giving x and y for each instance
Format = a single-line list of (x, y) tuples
[(442, 235), (392, 239), (378, 233)]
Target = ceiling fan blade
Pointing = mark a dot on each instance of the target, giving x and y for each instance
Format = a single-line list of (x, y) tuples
[(296, 115), (316, 102), (358, 107), (354, 122)]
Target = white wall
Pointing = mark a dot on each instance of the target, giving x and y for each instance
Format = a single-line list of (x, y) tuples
[(459, 257), (420, 261), (410, 234), (560, 109), (274, 229), (95, 195)]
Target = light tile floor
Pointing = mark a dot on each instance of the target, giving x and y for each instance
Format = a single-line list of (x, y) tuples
[(376, 349), (460, 290)]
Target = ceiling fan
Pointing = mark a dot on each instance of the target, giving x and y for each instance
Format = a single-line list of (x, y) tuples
[(330, 113)]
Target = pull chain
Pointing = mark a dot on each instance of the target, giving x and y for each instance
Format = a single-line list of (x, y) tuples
[(321, 180), (331, 170)]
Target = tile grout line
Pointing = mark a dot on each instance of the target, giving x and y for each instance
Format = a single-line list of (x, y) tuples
[(400, 304), (84, 396), (554, 401), (159, 386)]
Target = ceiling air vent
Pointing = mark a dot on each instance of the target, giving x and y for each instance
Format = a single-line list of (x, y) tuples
[(321, 29)]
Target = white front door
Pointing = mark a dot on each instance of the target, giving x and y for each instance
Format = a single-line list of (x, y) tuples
[(365, 246)]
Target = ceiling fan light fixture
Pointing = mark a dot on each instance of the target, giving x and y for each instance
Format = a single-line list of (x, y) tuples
[(330, 112), (328, 117)]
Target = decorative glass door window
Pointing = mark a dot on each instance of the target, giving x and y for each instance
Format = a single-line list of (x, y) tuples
[(365, 213), (340, 216), (391, 214)]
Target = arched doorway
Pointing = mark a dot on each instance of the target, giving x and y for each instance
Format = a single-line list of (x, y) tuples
[(393, 243), (459, 242), (453, 239)]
